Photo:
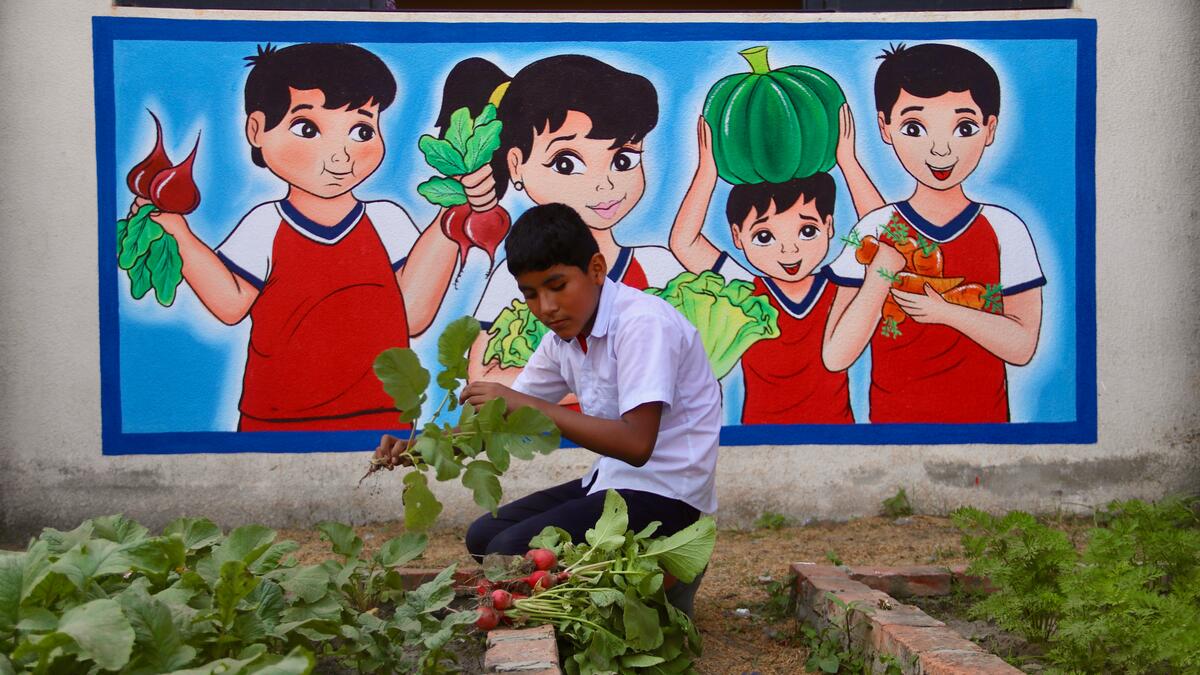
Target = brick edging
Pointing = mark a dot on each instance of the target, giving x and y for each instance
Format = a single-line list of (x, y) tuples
[(921, 644)]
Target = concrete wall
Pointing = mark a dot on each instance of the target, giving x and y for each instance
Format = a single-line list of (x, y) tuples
[(52, 472)]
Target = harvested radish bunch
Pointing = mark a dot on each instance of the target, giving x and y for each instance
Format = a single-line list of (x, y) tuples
[(542, 558), (148, 254), (466, 146)]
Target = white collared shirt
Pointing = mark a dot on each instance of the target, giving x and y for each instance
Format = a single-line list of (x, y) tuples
[(640, 350)]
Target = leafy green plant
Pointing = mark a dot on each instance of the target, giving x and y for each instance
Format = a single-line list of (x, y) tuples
[(833, 558), (1129, 602), (781, 599), (897, 506), (609, 604), (110, 596), (770, 520), (831, 649), (477, 450)]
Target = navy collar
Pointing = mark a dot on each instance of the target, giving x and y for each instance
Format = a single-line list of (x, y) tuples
[(940, 233), (621, 265), (798, 309), (316, 230)]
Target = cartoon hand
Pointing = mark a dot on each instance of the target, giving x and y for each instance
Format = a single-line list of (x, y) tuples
[(845, 147), (174, 223), (887, 259), (481, 188), (708, 163), (927, 307)]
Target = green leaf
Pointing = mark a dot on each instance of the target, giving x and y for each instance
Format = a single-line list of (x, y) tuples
[(59, 543), (6, 666), (605, 597), (160, 644), (93, 559), (234, 584), (342, 537), (642, 630), (481, 145), (441, 155), (405, 548), (197, 533), (443, 191), (481, 477), (310, 583), (527, 431), (435, 448), (453, 347), (459, 129), (272, 559), (403, 379), (640, 660), (435, 593), (299, 661), (609, 532), (140, 282), (37, 620), (421, 508), (101, 631), (140, 233), (488, 114), (686, 553), (166, 269), (246, 543), (550, 537), (602, 652)]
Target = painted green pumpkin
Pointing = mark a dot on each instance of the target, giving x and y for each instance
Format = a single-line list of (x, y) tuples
[(770, 126)]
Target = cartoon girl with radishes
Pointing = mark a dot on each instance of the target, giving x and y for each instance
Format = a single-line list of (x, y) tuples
[(574, 130)]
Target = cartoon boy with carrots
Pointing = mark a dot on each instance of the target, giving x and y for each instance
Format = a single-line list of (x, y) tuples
[(938, 107), (328, 281)]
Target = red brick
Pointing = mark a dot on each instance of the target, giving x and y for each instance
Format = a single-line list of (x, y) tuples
[(970, 582), (914, 580), (529, 651), (411, 577), (907, 642), (903, 615), (956, 662)]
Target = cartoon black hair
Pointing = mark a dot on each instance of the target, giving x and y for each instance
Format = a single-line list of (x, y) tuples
[(760, 196), (930, 70)]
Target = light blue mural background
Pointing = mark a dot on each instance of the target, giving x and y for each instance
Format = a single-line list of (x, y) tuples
[(180, 369)]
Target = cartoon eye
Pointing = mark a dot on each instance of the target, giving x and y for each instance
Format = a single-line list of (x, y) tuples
[(362, 133), (567, 164), (626, 159), (763, 238), (304, 129), (966, 129), (809, 232), (913, 129)]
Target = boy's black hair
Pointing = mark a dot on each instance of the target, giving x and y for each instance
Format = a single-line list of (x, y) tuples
[(348, 75), (930, 70), (621, 106), (549, 235), (760, 196)]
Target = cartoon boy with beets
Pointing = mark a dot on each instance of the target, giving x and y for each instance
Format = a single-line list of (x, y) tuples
[(938, 107), (784, 230), (327, 280)]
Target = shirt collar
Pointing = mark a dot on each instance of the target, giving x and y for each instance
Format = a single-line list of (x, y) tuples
[(604, 311)]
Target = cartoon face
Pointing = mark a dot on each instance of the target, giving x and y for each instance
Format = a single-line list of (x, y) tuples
[(939, 140), (564, 297), (786, 246), (321, 151), (600, 182)]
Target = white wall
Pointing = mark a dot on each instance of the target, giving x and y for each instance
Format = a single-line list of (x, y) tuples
[(52, 472)]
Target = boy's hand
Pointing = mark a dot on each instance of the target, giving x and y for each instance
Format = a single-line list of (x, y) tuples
[(927, 307), (845, 153), (707, 167), (480, 392), (481, 188), (390, 453), (173, 223)]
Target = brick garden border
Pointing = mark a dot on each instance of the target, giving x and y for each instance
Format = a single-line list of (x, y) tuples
[(921, 644)]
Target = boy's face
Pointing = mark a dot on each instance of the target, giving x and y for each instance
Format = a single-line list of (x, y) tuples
[(939, 140), (786, 246), (321, 151), (600, 182), (565, 297)]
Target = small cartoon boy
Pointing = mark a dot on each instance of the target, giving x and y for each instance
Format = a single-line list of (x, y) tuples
[(327, 280), (784, 230), (651, 407), (938, 107)]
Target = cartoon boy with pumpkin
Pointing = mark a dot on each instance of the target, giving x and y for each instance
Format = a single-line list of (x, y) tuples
[(938, 107)]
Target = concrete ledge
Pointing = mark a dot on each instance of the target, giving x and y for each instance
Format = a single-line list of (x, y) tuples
[(525, 651), (882, 626)]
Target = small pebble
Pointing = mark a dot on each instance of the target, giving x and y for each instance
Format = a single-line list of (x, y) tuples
[(766, 579), (741, 612), (906, 520)]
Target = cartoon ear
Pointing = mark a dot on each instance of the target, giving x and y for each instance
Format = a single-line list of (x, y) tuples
[(734, 231), (255, 122), (884, 133), (515, 160), (829, 226), (991, 129)]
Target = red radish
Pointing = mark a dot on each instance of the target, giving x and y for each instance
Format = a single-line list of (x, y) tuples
[(173, 190), (488, 618), (502, 599), (486, 229), (453, 223), (542, 558), (540, 580), (143, 174), (483, 588)]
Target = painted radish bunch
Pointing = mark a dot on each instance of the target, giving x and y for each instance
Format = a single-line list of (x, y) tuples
[(145, 251), (466, 146)]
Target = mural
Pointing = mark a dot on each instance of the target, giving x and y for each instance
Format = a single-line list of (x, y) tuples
[(883, 232)]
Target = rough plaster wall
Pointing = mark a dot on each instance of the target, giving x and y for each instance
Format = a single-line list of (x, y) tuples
[(52, 472)]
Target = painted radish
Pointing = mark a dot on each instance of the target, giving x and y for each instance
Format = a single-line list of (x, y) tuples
[(173, 190), (542, 558), (486, 229), (141, 176), (454, 221)]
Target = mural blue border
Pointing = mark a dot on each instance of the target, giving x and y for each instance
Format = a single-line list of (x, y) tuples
[(107, 30)]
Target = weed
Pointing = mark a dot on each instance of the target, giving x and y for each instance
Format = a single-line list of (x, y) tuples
[(897, 506), (833, 558), (770, 520)]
